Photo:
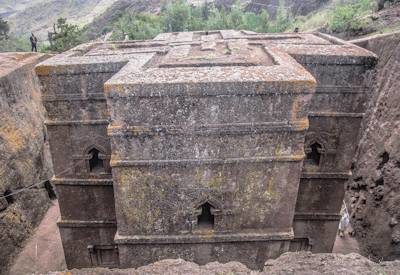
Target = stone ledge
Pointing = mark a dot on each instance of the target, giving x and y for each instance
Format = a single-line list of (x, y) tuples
[(208, 238), (335, 114), (77, 122), (179, 162), (317, 216), (104, 65), (342, 90), (76, 223), (325, 175), (232, 128), (74, 97), (82, 182)]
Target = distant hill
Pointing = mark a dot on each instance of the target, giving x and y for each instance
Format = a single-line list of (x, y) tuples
[(98, 16), (38, 16), (103, 22)]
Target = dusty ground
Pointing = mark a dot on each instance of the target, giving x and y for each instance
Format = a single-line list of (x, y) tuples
[(43, 251), (346, 245)]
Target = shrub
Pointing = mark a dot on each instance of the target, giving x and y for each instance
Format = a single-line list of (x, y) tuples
[(176, 16), (351, 18), (4, 29), (65, 36), (137, 26), (282, 21), (15, 44)]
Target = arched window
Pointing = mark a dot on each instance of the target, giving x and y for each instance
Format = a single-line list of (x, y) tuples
[(206, 219), (314, 152), (96, 164)]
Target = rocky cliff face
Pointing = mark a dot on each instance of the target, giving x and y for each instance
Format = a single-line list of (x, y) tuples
[(23, 154), (374, 191)]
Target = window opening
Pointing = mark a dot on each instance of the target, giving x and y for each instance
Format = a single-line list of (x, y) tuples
[(206, 219), (95, 163), (314, 154)]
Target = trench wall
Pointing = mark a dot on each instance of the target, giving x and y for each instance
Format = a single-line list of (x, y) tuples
[(24, 157), (373, 192)]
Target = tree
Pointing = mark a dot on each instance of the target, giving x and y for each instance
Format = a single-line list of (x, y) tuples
[(65, 36), (137, 26), (283, 20), (176, 16), (4, 29)]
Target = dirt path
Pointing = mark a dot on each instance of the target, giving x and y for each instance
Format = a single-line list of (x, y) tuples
[(346, 245), (43, 251)]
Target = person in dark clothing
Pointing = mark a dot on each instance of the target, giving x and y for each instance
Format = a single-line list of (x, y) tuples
[(33, 40)]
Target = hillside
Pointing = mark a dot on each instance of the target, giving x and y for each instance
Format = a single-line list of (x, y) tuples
[(347, 19), (38, 16), (104, 21)]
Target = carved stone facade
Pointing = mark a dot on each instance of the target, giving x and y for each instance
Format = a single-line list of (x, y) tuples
[(206, 135)]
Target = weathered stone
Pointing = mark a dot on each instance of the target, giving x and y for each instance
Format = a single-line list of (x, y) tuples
[(377, 162), (289, 263), (206, 137), (24, 157)]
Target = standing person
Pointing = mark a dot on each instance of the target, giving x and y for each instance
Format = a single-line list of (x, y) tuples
[(33, 40)]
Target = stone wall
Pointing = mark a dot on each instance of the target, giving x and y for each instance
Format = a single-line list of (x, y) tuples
[(373, 191), (207, 145), (23, 154)]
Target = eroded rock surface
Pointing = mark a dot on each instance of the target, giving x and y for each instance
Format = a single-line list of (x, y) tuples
[(374, 191), (23, 154), (288, 263)]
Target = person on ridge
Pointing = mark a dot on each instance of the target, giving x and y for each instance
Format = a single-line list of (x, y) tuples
[(33, 40)]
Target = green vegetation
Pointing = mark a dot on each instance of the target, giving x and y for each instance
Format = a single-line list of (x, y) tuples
[(180, 16), (137, 26), (352, 17), (4, 29), (349, 18), (11, 43), (64, 37), (341, 17), (15, 44)]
